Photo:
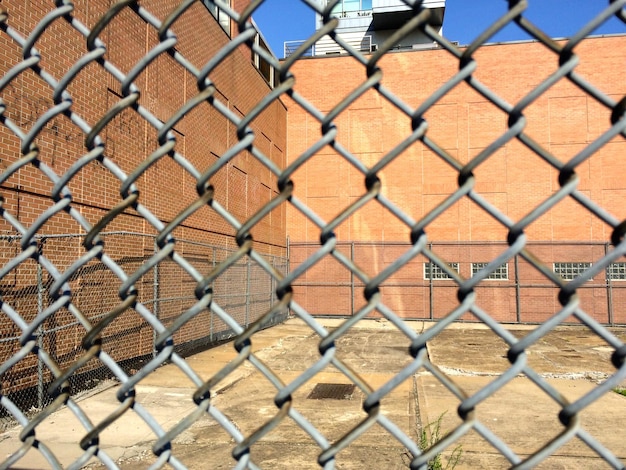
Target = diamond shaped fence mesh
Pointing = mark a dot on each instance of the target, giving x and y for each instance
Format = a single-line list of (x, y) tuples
[(168, 184)]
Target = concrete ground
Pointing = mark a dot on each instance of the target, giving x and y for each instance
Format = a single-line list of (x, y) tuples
[(571, 359)]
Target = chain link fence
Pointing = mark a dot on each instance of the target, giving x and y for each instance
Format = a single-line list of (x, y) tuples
[(245, 290), (513, 292), (71, 304)]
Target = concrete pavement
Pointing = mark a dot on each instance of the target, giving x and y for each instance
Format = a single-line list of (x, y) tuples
[(571, 359)]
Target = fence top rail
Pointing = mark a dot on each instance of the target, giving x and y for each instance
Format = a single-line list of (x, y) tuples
[(39, 237), (455, 243), (73, 235)]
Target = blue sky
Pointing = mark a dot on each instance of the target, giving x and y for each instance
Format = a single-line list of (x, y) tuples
[(285, 20)]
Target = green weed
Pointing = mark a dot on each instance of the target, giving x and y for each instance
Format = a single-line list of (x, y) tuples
[(620, 390), (429, 436)]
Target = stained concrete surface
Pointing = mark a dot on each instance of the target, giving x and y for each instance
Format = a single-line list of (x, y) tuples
[(572, 360)]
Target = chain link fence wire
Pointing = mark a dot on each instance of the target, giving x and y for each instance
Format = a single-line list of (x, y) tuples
[(515, 292), (69, 303), (246, 293)]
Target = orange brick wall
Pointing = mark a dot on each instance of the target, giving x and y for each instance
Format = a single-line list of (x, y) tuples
[(563, 121)]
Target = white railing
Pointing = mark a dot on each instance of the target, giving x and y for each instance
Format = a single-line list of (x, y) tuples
[(328, 46)]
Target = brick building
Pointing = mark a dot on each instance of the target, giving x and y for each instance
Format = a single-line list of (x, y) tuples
[(165, 188), (164, 87), (564, 120), (463, 123)]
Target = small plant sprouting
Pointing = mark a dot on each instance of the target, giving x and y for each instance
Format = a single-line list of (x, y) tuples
[(620, 391), (429, 436)]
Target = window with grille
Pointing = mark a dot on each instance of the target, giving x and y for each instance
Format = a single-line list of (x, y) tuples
[(569, 271), (616, 271), (432, 271), (500, 274)]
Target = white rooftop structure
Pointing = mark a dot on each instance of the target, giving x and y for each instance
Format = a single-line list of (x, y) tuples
[(364, 24)]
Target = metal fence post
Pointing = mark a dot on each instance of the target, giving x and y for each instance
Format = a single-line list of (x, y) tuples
[(431, 287), (273, 284), (213, 293), (40, 333), (288, 254), (352, 280), (248, 294), (271, 299), (155, 302), (518, 308), (609, 290)]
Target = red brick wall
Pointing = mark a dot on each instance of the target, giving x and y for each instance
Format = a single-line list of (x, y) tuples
[(203, 135)]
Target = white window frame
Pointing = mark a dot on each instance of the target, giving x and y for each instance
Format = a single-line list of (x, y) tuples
[(222, 18), (433, 272), (570, 270), (500, 274), (256, 60), (339, 8), (616, 271)]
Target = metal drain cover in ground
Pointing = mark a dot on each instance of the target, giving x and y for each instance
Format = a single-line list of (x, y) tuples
[(332, 392)]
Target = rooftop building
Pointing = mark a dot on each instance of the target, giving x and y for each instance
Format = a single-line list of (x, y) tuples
[(364, 24)]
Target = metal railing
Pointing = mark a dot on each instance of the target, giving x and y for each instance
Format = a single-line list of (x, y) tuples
[(327, 46), (49, 180)]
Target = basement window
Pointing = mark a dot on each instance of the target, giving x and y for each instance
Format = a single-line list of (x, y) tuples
[(569, 271), (500, 274), (434, 272), (616, 272)]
